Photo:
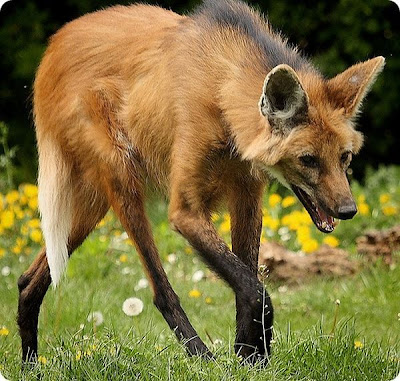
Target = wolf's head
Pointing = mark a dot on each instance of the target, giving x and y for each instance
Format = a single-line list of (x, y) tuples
[(311, 136)]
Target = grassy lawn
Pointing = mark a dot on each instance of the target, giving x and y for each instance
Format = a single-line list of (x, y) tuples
[(364, 344)]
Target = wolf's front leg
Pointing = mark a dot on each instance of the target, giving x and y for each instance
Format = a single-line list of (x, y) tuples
[(254, 309), (245, 206)]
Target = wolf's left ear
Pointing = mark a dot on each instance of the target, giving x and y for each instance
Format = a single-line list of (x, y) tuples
[(283, 101), (348, 89)]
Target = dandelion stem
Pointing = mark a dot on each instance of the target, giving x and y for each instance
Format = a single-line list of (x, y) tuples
[(335, 317)]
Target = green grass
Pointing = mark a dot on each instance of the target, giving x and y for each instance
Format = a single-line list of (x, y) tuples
[(143, 347), (106, 270)]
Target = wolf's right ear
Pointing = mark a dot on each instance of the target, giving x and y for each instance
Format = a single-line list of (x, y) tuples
[(283, 101), (348, 89)]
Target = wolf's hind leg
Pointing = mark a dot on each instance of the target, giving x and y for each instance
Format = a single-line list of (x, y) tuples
[(89, 208)]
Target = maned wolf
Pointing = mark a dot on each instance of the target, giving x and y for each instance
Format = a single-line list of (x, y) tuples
[(205, 108)]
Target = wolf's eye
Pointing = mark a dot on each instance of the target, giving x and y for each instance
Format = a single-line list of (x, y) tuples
[(346, 156), (309, 161)]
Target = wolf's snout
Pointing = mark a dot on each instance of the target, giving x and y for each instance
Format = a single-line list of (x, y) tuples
[(347, 210)]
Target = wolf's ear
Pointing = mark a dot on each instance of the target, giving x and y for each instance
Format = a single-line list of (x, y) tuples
[(348, 89), (283, 101)]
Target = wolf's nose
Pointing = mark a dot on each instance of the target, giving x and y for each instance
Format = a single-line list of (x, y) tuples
[(347, 210)]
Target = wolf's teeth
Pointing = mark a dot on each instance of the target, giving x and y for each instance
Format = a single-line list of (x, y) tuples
[(324, 225)]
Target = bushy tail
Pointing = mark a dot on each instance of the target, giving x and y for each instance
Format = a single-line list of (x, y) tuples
[(55, 205)]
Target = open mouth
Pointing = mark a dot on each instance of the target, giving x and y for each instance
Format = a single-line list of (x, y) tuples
[(323, 221)]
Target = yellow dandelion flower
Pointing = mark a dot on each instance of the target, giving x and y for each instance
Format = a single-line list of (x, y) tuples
[(305, 218), (208, 300), (42, 360), (188, 250), (225, 226), (30, 190), (123, 258), (286, 219), (7, 219), (16, 249), (1, 202), (389, 210), (270, 222), (309, 246), (358, 344), (36, 235), (303, 234), (363, 208), (274, 199), (296, 219), (194, 293), (12, 197), (4, 331), (19, 213), (2, 252), (21, 242), (331, 241), (34, 223), (384, 198), (33, 203), (288, 201), (78, 355), (101, 223)]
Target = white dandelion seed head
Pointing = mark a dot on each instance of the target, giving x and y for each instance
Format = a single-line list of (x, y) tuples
[(5, 271), (283, 289), (283, 230), (132, 306), (143, 283), (171, 258), (96, 318), (197, 276), (126, 271)]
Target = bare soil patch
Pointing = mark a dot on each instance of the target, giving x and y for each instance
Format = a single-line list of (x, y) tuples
[(291, 267)]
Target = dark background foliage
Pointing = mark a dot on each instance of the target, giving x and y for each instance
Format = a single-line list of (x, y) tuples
[(335, 34)]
